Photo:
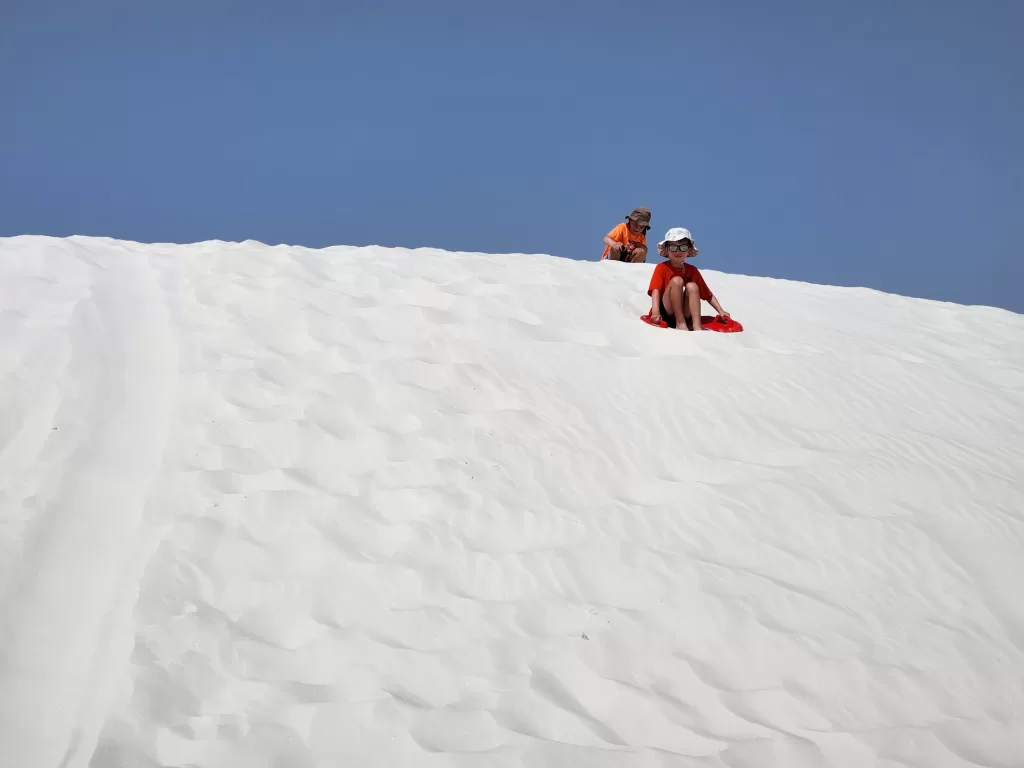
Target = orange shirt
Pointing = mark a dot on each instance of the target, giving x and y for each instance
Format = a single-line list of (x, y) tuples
[(664, 272), (621, 234)]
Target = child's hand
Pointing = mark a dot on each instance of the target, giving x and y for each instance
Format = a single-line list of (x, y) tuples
[(656, 318), (725, 314)]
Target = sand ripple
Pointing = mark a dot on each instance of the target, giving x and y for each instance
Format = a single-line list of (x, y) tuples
[(291, 508)]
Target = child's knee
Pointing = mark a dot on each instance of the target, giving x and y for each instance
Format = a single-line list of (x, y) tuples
[(691, 288), (675, 282)]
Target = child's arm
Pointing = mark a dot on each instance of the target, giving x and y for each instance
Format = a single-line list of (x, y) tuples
[(615, 238), (713, 301), (655, 305), (615, 245)]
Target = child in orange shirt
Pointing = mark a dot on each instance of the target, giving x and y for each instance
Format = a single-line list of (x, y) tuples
[(628, 241), (677, 288)]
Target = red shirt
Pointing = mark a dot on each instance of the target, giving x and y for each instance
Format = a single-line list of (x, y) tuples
[(664, 272)]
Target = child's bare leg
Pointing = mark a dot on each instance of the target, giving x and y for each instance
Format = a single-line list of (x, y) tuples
[(639, 254), (693, 305), (674, 300)]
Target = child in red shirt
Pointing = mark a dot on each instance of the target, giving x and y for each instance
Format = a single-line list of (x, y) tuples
[(628, 241), (677, 288)]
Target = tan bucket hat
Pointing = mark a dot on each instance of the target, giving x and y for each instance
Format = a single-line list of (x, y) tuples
[(641, 216)]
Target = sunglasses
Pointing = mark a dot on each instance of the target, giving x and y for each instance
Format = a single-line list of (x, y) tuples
[(674, 247)]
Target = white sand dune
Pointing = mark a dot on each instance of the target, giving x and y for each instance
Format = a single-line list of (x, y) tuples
[(272, 507)]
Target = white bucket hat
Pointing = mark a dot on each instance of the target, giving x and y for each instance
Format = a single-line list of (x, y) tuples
[(676, 233)]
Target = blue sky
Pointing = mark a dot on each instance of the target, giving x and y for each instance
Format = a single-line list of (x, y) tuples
[(871, 143)]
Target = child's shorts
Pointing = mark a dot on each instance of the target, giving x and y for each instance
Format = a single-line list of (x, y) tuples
[(668, 318), (671, 319)]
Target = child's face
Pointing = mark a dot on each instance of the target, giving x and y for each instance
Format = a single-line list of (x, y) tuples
[(633, 226), (677, 252)]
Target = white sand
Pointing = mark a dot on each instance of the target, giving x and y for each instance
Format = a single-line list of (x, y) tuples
[(270, 507)]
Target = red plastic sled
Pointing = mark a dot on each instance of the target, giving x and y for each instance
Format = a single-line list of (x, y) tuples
[(647, 319), (708, 323), (720, 324)]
